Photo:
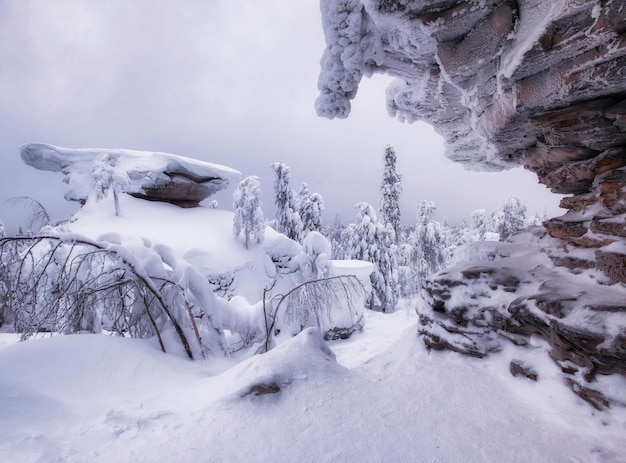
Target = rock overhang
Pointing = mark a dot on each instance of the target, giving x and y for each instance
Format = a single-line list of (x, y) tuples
[(153, 175)]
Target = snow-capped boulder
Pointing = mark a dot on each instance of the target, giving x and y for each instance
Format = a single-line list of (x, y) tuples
[(154, 176)]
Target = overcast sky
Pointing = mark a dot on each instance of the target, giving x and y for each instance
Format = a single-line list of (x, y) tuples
[(223, 81)]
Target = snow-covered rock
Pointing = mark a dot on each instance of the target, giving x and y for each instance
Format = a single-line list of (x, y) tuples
[(480, 306), (152, 175), (530, 83)]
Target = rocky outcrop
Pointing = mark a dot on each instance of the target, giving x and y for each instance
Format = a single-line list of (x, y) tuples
[(476, 309), (153, 176), (532, 83)]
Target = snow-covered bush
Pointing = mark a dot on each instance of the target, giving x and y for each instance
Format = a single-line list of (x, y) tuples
[(314, 260), (70, 284), (38, 216), (313, 303)]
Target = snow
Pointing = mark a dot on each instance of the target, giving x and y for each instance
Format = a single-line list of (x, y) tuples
[(377, 396), (144, 168), (385, 398), (203, 235)]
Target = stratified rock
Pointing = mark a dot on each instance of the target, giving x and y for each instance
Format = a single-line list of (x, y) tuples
[(153, 176), (583, 322)]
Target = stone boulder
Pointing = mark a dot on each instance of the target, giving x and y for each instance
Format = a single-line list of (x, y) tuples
[(153, 176)]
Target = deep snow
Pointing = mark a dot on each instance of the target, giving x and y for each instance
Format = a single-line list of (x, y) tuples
[(98, 398), (379, 396)]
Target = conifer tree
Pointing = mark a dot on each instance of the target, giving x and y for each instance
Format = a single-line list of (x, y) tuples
[(248, 216), (311, 209), (391, 188), (107, 176), (429, 243), (287, 207), (372, 241), (509, 219)]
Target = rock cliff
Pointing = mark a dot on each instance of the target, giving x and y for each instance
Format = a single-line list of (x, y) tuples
[(536, 83)]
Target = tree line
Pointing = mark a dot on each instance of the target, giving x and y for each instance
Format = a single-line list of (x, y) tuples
[(403, 256)]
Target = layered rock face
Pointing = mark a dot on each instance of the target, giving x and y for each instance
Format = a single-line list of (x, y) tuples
[(536, 83), (153, 176)]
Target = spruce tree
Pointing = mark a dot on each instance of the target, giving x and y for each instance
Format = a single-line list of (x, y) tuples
[(248, 216), (108, 176), (391, 188), (373, 241), (311, 209), (429, 243), (287, 208), (509, 219)]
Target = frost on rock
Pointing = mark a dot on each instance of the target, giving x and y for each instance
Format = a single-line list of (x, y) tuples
[(151, 175), (475, 70), (507, 83), (352, 51)]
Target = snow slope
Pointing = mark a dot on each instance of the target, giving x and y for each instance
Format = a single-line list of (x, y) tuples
[(101, 399)]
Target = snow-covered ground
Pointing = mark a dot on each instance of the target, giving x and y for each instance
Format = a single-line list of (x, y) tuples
[(97, 398), (379, 396)]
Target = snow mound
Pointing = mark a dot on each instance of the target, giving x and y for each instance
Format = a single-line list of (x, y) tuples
[(303, 356)]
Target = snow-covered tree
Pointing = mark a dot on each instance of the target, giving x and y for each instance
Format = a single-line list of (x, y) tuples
[(314, 260), (335, 233), (537, 220), (509, 219), (373, 241), (311, 209), (287, 207), (107, 176), (304, 192), (429, 243), (391, 188), (214, 204), (406, 276), (248, 216), (2, 231), (473, 229)]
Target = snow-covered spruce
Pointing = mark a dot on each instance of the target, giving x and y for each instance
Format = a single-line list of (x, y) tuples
[(248, 218), (287, 207), (372, 241), (391, 188), (311, 206), (108, 176)]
